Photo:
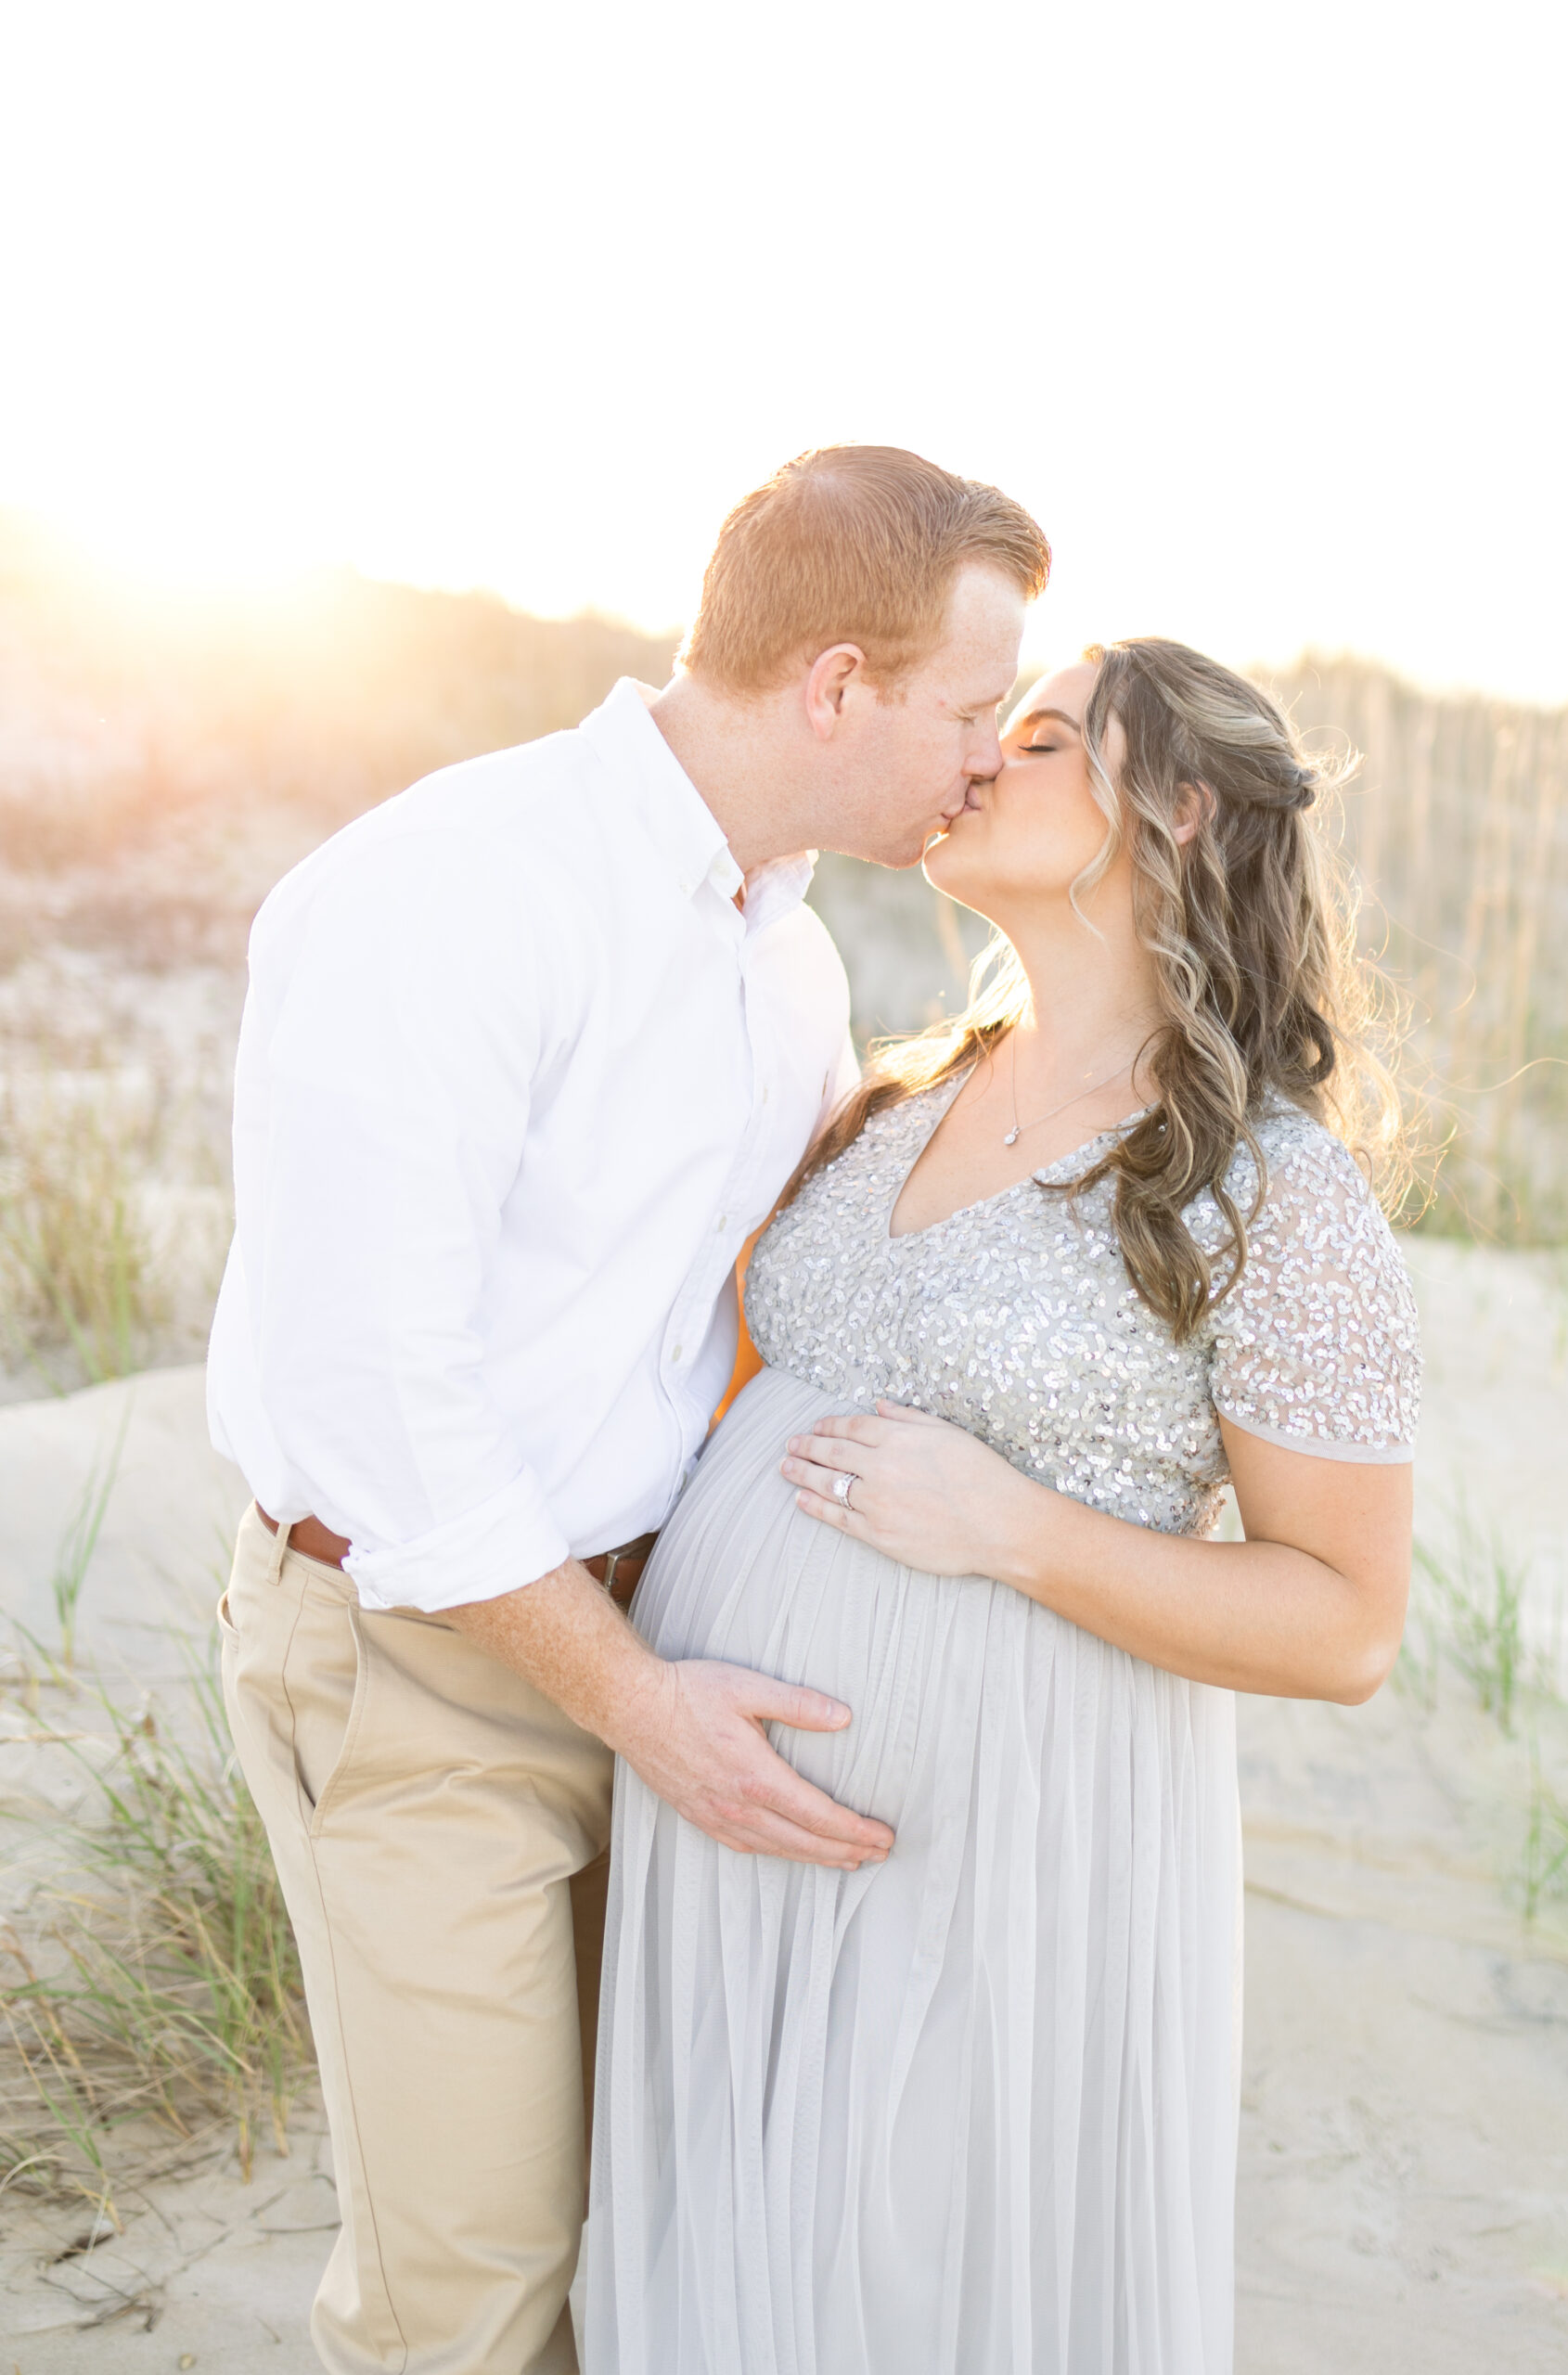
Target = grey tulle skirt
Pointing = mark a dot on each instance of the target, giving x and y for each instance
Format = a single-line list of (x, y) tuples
[(969, 2112)]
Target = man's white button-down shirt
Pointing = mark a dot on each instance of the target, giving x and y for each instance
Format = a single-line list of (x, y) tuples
[(516, 1080)]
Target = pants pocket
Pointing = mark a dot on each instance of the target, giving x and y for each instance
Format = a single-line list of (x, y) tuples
[(327, 1681)]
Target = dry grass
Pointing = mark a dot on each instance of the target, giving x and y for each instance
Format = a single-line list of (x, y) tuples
[(1467, 1627), (1467, 1616), (113, 1168), (134, 714), (154, 1999), (1544, 1863), (78, 1273), (1458, 828)]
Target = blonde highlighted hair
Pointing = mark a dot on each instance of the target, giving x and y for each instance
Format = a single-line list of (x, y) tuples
[(1250, 924), (851, 544)]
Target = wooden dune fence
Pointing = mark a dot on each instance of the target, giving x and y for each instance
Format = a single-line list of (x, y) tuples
[(1458, 823)]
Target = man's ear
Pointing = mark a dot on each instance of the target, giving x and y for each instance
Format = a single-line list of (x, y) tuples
[(833, 673), (1195, 806)]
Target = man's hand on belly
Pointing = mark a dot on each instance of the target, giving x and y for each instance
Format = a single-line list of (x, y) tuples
[(696, 1738), (693, 1729)]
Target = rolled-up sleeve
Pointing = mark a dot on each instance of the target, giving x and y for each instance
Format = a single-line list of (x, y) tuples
[(403, 1051)]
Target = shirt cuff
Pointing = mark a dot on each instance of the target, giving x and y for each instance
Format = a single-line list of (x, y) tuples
[(508, 1541)]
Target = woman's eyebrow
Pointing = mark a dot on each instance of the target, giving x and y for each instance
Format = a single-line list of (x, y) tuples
[(1036, 715)]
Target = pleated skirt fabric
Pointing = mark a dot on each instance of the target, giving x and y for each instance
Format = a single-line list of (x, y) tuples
[(969, 2112)]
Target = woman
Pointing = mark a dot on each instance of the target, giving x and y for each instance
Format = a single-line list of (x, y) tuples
[(1056, 1274)]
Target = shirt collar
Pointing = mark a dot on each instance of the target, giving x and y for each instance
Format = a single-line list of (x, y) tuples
[(675, 816), (783, 882), (677, 819)]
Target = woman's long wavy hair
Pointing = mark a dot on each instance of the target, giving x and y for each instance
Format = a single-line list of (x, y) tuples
[(1252, 927)]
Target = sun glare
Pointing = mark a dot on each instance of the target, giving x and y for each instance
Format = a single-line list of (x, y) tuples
[(170, 551), (292, 294)]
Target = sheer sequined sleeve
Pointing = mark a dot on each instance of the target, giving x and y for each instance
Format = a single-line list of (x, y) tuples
[(1318, 1348)]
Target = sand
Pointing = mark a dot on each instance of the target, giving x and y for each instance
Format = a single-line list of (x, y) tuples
[(1403, 2196)]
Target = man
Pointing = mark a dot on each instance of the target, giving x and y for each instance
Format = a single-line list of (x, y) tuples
[(528, 1052)]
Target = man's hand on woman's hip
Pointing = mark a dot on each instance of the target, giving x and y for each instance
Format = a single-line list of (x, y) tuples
[(693, 1729)]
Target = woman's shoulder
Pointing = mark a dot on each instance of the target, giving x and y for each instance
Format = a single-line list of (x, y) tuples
[(1318, 1344), (1317, 1216), (1306, 1167), (1311, 1219)]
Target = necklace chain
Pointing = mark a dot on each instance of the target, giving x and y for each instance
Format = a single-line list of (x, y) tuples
[(1076, 1099)]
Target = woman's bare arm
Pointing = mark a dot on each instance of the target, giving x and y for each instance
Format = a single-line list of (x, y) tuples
[(1310, 1606)]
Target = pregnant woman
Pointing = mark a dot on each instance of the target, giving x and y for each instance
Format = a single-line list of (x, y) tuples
[(1057, 1273)]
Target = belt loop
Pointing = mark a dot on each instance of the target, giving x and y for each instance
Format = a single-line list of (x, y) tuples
[(278, 1553)]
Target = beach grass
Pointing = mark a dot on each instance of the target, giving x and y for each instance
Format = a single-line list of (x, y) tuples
[(155, 1999), (78, 1276), (80, 1539), (1543, 1868), (1467, 1628), (1467, 1613)]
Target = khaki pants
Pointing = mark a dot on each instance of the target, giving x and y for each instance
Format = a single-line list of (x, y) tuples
[(441, 1833)]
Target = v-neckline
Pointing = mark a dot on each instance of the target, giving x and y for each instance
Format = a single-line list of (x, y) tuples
[(1074, 1154)]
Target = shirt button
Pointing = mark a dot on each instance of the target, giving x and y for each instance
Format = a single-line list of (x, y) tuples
[(722, 1223), (677, 1353)]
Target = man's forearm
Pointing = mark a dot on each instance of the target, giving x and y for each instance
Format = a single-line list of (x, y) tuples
[(696, 1730), (566, 1637)]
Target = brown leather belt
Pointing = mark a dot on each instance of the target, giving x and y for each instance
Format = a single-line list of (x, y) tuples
[(618, 1571), (311, 1539), (621, 1571)]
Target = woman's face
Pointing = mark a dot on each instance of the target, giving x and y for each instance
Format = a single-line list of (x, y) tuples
[(1022, 840)]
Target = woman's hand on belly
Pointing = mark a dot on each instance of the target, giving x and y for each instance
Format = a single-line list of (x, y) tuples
[(1309, 1606), (923, 1491)]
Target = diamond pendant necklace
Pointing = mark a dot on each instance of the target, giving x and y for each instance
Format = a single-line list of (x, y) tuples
[(1076, 1099)]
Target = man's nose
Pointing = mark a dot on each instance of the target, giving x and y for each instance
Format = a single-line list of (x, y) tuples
[(986, 759)]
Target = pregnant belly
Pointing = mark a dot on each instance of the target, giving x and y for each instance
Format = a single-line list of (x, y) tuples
[(742, 1573)]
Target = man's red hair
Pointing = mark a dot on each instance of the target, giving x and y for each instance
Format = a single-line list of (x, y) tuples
[(851, 544)]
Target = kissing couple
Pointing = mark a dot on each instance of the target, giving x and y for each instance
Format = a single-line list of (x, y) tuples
[(869, 1887)]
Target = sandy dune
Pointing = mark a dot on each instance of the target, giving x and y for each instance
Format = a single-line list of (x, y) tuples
[(1404, 2187)]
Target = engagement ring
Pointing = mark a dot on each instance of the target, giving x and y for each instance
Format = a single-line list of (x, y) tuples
[(842, 1484)]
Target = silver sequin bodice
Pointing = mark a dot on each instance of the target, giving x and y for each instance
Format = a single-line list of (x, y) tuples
[(1016, 1320)]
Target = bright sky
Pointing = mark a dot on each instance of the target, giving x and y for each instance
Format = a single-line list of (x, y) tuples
[(1259, 306)]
